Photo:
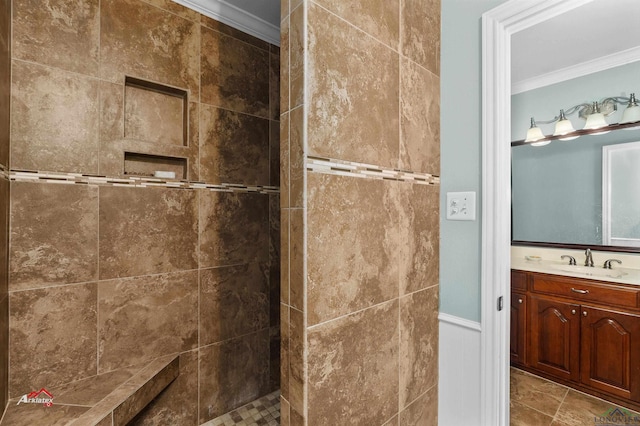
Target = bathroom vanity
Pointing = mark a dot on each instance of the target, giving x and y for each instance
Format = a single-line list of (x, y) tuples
[(581, 332)]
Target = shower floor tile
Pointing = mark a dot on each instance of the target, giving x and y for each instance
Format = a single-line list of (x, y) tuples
[(264, 411)]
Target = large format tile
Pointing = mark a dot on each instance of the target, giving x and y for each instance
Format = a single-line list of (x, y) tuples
[(296, 56), (579, 409), (418, 344), (145, 317), (274, 153), (419, 227), (297, 361), (274, 82), (352, 245), (4, 237), (423, 411), (147, 231), (234, 228), (419, 119), (53, 336), (234, 147), (284, 352), (522, 415), (420, 22), (353, 368), (54, 234), (284, 64), (234, 301), (60, 33), (284, 161), (143, 41), (54, 120), (235, 33), (233, 373), (340, 103), (234, 74), (178, 403), (28, 414), (380, 18), (5, 81), (542, 395), (4, 353), (296, 158), (297, 258)]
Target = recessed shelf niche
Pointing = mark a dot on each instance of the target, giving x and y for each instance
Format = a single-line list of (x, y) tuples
[(155, 112), (146, 165)]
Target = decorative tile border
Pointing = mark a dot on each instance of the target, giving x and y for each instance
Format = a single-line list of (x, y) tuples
[(133, 181), (368, 171)]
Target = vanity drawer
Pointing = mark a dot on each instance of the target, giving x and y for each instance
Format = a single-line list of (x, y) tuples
[(519, 280), (588, 291)]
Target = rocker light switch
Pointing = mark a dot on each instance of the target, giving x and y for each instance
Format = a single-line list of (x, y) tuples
[(461, 205)]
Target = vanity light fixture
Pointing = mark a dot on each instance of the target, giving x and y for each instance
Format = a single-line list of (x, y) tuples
[(594, 114)]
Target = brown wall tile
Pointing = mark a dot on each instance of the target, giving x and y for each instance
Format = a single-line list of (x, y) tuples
[(284, 161), (5, 80), (420, 233), (274, 83), (234, 228), (420, 119), (143, 41), (297, 256), (284, 351), (274, 260), (60, 33), (297, 360), (54, 234), (4, 237), (284, 412), (233, 32), (234, 148), (54, 120), (233, 373), (274, 153), (420, 21), (284, 64), (380, 18), (178, 9), (359, 380), (4, 349), (178, 403), (234, 301), (418, 344), (297, 48), (284, 255), (53, 336), (423, 411), (352, 242), (340, 104), (145, 317), (296, 158), (147, 231), (234, 74)]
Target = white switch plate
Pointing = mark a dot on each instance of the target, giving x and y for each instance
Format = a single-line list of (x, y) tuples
[(461, 205)]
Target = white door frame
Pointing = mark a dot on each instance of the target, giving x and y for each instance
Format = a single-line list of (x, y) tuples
[(497, 27)]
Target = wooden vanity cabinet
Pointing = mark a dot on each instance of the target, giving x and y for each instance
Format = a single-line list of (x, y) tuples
[(584, 333)]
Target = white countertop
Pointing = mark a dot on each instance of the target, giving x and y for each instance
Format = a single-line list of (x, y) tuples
[(550, 263)]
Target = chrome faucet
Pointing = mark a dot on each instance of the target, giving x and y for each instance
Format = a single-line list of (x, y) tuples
[(607, 263), (589, 260), (572, 260)]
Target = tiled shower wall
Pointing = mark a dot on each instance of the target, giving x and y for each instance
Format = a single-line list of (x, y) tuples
[(108, 274), (360, 212), (5, 83)]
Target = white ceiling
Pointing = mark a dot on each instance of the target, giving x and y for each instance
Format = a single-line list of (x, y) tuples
[(260, 18), (601, 33)]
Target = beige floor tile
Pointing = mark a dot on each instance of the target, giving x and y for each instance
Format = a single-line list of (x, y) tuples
[(521, 415), (535, 392)]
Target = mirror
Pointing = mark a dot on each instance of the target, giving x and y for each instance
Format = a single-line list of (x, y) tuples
[(557, 189)]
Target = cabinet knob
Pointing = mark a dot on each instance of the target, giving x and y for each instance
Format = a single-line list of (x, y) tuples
[(584, 313), (519, 300), (573, 312)]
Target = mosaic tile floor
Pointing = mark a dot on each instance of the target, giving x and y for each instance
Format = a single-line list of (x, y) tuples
[(261, 412)]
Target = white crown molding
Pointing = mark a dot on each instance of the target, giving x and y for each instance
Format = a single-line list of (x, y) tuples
[(603, 63), (236, 18)]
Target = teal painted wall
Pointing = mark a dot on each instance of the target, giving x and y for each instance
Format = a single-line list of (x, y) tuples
[(557, 188), (461, 139)]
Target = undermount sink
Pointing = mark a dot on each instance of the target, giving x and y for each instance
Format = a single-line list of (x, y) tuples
[(590, 271)]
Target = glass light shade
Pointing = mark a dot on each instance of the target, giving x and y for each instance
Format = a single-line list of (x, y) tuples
[(564, 126), (541, 143), (595, 121), (632, 113), (534, 133)]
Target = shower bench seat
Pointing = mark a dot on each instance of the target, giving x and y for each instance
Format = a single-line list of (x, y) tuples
[(108, 399)]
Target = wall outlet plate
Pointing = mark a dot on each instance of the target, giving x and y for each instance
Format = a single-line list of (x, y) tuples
[(461, 206)]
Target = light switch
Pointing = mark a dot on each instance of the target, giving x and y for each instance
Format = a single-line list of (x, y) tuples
[(461, 205)]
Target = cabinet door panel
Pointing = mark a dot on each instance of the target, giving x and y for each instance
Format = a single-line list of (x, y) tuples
[(554, 345), (611, 352), (518, 330)]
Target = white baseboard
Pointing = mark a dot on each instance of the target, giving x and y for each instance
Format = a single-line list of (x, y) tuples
[(459, 372)]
